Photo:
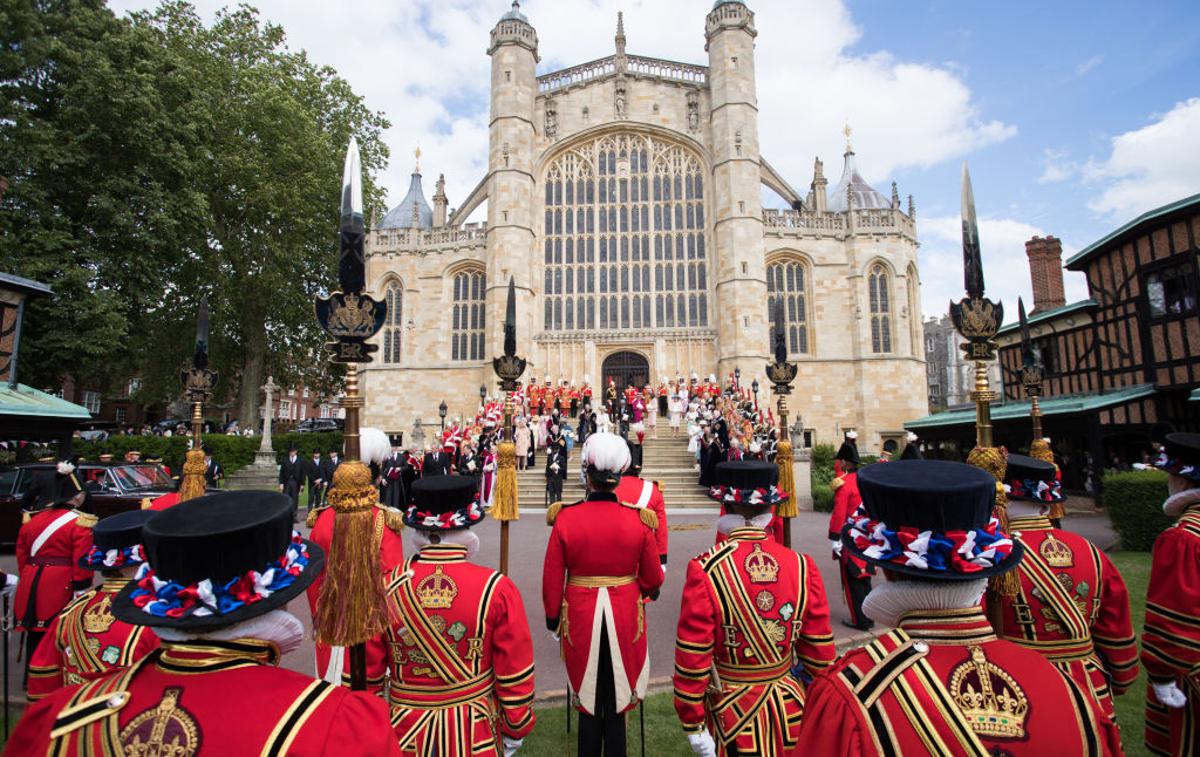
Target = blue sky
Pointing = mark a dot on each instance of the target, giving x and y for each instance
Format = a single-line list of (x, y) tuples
[(1074, 116)]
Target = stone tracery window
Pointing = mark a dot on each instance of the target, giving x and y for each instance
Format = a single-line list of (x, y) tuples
[(881, 309), (393, 326), (789, 280), (624, 242), (467, 316)]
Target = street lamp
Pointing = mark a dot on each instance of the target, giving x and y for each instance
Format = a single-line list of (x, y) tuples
[(737, 378), (442, 410), (754, 388)]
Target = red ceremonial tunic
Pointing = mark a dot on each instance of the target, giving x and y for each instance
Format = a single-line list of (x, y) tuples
[(943, 683), (170, 499), (207, 698), (752, 610), (49, 548), (1073, 608), (86, 642), (642, 493), (1171, 639), (600, 562), (846, 500), (332, 667), (460, 656)]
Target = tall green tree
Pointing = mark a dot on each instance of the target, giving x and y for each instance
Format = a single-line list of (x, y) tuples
[(203, 159)]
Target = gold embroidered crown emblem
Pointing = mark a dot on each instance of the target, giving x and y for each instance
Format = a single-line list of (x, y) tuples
[(165, 729), (99, 617), (762, 567), (437, 590), (989, 698), (1056, 553)]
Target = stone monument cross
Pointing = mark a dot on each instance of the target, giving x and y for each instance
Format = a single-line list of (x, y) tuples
[(268, 388)]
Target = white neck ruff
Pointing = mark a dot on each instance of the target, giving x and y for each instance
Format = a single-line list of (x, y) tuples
[(278, 626), (891, 599)]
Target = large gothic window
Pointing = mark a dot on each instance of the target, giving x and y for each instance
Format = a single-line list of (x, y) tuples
[(466, 316), (392, 327), (789, 280), (881, 309), (624, 241)]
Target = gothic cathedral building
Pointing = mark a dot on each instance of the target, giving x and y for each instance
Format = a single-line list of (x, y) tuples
[(624, 197)]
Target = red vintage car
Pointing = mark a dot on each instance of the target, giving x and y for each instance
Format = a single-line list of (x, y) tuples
[(116, 487)]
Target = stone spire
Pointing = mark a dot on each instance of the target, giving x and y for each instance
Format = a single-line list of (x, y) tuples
[(895, 197), (620, 38), (819, 182), (440, 203)]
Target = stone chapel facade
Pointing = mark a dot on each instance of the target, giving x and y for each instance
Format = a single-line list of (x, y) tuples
[(623, 196)]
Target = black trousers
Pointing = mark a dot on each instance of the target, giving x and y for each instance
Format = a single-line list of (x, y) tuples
[(855, 590), (604, 732)]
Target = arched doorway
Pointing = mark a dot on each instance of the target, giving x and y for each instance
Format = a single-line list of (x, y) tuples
[(626, 368)]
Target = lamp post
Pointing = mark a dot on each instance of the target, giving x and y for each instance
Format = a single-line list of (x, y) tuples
[(442, 410), (754, 388), (737, 378)]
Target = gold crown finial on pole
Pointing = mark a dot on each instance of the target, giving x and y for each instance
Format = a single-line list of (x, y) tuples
[(417, 154), (848, 131)]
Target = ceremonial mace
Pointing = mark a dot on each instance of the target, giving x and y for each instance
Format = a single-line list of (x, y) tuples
[(781, 374), (198, 382), (350, 608), (508, 368)]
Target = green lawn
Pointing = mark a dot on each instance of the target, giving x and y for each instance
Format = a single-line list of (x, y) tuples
[(1135, 568), (665, 738)]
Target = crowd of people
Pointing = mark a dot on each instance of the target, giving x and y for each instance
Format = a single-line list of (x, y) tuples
[(1008, 634)]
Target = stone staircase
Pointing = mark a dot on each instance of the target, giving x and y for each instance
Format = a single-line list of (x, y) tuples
[(665, 460)]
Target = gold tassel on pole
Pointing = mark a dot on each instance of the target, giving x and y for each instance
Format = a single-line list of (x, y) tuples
[(787, 480), (192, 485), (504, 504)]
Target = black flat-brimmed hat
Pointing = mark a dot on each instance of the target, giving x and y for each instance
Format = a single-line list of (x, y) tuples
[(932, 519), (117, 541), (848, 452), (219, 560), (444, 503), (750, 483), (1180, 455), (1030, 479)]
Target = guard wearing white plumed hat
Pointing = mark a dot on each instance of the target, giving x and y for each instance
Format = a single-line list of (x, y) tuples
[(602, 560)]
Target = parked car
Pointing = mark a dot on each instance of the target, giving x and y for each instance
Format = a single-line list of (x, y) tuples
[(317, 425), (116, 488)]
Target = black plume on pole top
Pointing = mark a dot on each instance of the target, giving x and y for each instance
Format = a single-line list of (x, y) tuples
[(510, 320), (509, 367)]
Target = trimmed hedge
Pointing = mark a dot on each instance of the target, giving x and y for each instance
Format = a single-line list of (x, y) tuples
[(1133, 501), (232, 452), (822, 496)]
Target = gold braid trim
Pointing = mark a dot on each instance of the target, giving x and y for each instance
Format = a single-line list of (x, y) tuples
[(311, 519), (193, 476), (552, 512), (350, 608), (392, 517)]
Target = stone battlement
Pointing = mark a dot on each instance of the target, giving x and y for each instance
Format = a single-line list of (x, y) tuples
[(800, 223), (636, 66)]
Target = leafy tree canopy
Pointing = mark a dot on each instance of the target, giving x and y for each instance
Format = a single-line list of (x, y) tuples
[(154, 159)]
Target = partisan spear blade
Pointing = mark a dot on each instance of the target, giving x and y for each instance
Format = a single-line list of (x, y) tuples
[(780, 333), (200, 357), (1026, 342), (351, 264), (972, 261), (510, 320)]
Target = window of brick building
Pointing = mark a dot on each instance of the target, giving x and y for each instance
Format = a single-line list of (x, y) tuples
[(91, 400), (1171, 291)]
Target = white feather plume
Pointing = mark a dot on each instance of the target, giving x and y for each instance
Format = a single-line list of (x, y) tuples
[(606, 452), (912, 437), (65, 468), (373, 445)]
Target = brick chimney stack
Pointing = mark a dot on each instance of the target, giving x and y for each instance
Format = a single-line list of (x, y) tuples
[(1046, 273)]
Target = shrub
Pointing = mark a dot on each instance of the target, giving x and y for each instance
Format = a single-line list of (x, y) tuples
[(822, 456), (822, 495), (1133, 501), (232, 452)]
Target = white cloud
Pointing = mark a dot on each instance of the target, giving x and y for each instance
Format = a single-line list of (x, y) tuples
[(1005, 267), (1056, 166), (1150, 166), (424, 63), (1084, 66)]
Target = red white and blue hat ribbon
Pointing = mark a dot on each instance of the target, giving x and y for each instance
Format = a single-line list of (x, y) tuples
[(760, 497), (111, 559), (961, 552)]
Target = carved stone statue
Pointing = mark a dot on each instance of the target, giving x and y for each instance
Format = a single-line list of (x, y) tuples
[(551, 129), (418, 435), (693, 111), (620, 98)]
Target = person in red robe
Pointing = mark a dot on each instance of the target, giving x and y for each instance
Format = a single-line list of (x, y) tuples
[(220, 570), (86, 641), (49, 548), (601, 561), (753, 630), (637, 491), (1072, 605), (1171, 639), (459, 649), (943, 682), (855, 573)]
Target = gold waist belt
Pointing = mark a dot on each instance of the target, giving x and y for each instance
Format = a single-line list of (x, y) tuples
[(598, 582), (753, 674)]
